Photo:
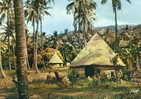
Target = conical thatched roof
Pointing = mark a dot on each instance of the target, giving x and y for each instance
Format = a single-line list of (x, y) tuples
[(55, 59), (96, 52)]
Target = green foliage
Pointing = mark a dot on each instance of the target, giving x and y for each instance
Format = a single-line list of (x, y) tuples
[(104, 78), (84, 14), (115, 3), (46, 54), (73, 76), (126, 74), (94, 83)]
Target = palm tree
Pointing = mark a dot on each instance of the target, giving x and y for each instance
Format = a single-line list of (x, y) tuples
[(116, 5), (8, 35), (84, 14), (43, 11), (36, 9), (21, 70), (7, 15), (32, 16), (6, 11)]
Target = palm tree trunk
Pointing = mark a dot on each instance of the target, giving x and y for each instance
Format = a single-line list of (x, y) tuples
[(21, 70), (35, 38), (130, 63), (1, 68), (14, 55), (138, 63), (41, 24), (36, 47), (33, 64), (116, 24), (8, 24), (9, 62), (27, 60)]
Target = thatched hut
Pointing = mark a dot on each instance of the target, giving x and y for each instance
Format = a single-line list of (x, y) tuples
[(97, 56), (55, 61)]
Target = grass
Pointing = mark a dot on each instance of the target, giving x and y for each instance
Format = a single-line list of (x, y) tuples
[(10, 73), (80, 88)]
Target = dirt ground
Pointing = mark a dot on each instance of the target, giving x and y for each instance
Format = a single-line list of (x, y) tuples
[(7, 93), (44, 90)]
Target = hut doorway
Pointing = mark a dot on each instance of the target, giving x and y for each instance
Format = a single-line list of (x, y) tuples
[(89, 71)]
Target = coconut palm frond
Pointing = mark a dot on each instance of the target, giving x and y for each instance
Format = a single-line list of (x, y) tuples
[(103, 1)]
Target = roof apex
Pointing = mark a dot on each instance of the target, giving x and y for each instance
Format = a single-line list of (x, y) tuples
[(97, 51), (55, 59)]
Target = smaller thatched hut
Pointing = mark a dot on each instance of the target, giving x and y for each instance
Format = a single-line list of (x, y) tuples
[(55, 61)]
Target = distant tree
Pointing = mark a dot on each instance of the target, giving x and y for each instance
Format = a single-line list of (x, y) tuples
[(55, 39), (68, 51), (83, 13), (116, 5), (35, 11), (66, 31), (8, 35), (131, 52)]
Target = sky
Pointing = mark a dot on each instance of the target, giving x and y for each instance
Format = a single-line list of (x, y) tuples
[(59, 20)]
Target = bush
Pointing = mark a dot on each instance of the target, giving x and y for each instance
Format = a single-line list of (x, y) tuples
[(126, 74), (73, 76)]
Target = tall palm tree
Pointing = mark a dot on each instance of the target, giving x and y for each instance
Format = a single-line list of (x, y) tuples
[(36, 10), (116, 5), (84, 14), (43, 12), (8, 35), (7, 15), (32, 16), (21, 70)]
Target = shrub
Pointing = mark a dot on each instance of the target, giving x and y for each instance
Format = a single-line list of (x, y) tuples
[(73, 76)]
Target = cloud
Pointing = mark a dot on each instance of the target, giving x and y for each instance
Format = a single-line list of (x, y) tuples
[(104, 15), (128, 14), (59, 20)]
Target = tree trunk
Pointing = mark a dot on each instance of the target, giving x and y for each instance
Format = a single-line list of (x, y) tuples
[(27, 60), (35, 38), (41, 24), (9, 62), (116, 44), (14, 55), (21, 70), (8, 24), (130, 63), (138, 63), (1, 68), (116, 24)]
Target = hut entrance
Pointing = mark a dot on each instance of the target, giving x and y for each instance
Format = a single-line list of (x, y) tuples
[(89, 71)]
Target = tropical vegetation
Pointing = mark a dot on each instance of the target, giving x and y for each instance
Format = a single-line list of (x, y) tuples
[(25, 53)]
